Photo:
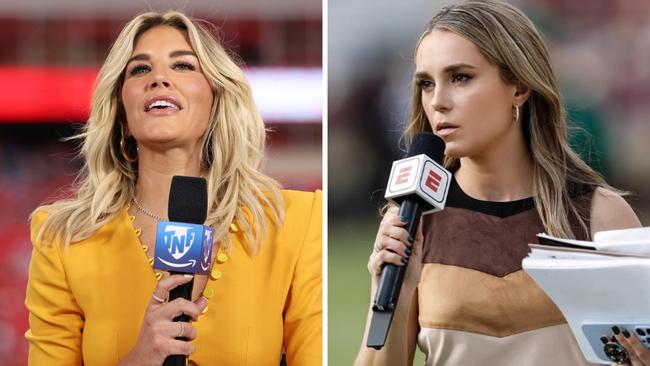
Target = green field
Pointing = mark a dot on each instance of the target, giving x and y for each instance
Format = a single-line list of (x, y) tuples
[(349, 245)]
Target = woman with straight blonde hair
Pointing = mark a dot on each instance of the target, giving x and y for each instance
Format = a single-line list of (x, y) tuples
[(484, 84), (170, 101)]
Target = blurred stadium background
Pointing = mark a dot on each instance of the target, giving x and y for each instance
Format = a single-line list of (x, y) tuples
[(49, 55), (601, 53)]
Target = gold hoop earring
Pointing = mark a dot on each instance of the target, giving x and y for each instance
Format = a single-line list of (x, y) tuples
[(516, 113), (123, 150)]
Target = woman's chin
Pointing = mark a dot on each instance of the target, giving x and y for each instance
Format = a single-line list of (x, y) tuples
[(161, 140), (160, 143), (453, 150)]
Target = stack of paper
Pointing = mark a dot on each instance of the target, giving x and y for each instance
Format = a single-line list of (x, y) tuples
[(606, 281)]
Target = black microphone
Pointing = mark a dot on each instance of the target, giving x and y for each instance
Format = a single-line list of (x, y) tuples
[(184, 245), (419, 185)]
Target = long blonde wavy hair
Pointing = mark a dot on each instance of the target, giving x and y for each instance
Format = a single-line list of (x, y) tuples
[(509, 40), (232, 153)]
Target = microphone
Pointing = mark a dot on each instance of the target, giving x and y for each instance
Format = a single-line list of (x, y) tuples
[(183, 244), (419, 185)]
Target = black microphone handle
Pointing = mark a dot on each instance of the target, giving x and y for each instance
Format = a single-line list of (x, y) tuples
[(392, 276), (184, 291)]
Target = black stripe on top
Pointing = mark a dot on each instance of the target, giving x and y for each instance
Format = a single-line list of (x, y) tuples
[(459, 199)]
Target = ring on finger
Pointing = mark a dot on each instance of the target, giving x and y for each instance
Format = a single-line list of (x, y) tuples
[(160, 300), (182, 329), (377, 248)]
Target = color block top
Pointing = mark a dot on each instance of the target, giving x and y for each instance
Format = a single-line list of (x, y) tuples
[(476, 306)]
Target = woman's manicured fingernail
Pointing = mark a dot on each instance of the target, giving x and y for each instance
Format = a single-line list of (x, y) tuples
[(411, 239), (409, 251), (626, 334), (604, 339), (616, 330), (187, 275), (405, 261)]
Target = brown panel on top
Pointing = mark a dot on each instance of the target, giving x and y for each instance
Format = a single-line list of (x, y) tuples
[(488, 243), (471, 239)]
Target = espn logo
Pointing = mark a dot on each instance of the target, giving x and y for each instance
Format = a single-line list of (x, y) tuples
[(403, 175), (433, 181), (421, 176)]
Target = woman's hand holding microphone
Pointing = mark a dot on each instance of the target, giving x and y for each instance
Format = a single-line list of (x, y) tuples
[(392, 246), (158, 331)]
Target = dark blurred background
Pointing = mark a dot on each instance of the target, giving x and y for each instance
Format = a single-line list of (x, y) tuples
[(601, 53), (49, 55)]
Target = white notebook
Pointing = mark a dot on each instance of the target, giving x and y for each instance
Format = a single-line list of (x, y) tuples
[(592, 287)]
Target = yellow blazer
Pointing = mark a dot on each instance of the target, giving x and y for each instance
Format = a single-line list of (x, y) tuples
[(86, 303)]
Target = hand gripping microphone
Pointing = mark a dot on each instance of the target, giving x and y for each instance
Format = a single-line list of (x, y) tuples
[(419, 185), (183, 244)]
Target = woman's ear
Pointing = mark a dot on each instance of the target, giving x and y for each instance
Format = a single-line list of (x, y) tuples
[(521, 94)]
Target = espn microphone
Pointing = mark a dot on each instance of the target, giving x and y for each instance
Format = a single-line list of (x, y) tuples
[(183, 244), (419, 185)]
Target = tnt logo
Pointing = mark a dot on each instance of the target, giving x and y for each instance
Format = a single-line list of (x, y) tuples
[(208, 234), (178, 240), (180, 247)]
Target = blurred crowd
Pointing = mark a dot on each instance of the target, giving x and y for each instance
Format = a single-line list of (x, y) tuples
[(33, 170)]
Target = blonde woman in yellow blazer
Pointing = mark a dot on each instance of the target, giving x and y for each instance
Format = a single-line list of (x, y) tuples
[(169, 101)]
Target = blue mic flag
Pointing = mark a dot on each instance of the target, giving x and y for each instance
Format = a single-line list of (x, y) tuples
[(183, 247)]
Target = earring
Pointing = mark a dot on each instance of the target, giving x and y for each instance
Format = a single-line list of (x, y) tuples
[(123, 149), (516, 113)]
